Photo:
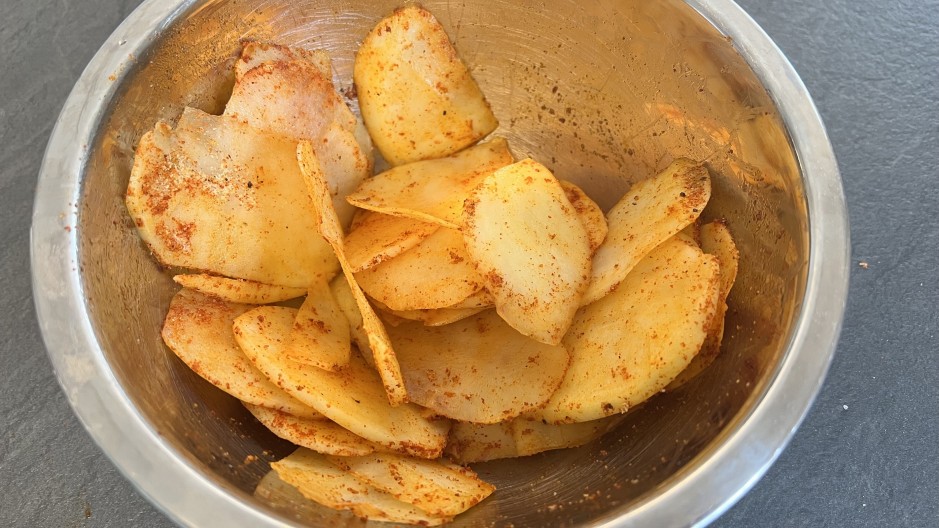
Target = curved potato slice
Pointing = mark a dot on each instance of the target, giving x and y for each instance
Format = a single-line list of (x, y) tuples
[(630, 344), (346, 302), (436, 486), (322, 436), (649, 214), (478, 369), (352, 397), (531, 247), (439, 316), (322, 481), (436, 273), (472, 442), (533, 436), (320, 335), (418, 99), (433, 190), (377, 237), (198, 329), (589, 212), (237, 290)]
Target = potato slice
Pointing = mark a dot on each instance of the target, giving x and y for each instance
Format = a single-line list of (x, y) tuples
[(322, 436), (237, 290), (418, 99), (328, 225), (630, 344), (436, 273), (433, 190), (436, 486), (346, 302), (439, 316), (377, 237), (352, 397), (219, 196), (477, 370), (531, 247), (589, 212), (198, 329), (533, 436), (649, 214), (472, 442), (320, 480), (320, 335)]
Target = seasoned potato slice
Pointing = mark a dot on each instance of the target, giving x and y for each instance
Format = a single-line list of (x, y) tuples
[(352, 397), (534, 436), (322, 481), (198, 329), (418, 99), (649, 214), (478, 369), (433, 190), (320, 335), (328, 225), (237, 290), (322, 436), (436, 273), (589, 212), (439, 316), (531, 247), (377, 237), (436, 486), (219, 196), (631, 343), (346, 302), (472, 442)]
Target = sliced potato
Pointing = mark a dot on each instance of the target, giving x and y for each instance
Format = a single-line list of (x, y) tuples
[(322, 436), (352, 397), (346, 301), (377, 237), (649, 214), (472, 442), (531, 247), (533, 436), (589, 212), (320, 480), (435, 486), (329, 227), (433, 190), (198, 329), (320, 335), (478, 369), (630, 344), (439, 316), (237, 290), (219, 196), (418, 99), (436, 273)]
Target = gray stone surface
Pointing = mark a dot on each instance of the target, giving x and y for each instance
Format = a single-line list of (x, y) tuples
[(868, 453)]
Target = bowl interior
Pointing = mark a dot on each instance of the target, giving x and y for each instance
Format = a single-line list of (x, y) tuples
[(605, 93)]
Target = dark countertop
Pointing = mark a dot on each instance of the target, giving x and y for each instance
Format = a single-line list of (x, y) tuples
[(868, 452)]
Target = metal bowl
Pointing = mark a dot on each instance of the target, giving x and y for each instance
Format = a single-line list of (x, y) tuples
[(605, 93)]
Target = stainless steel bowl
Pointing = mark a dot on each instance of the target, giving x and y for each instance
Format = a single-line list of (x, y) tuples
[(605, 93)]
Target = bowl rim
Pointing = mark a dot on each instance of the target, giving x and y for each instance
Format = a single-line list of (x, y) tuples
[(178, 488)]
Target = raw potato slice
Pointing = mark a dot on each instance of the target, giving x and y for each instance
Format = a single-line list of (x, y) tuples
[(198, 329), (435, 486), (417, 98), (322, 436), (477, 370), (219, 196), (715, 240), (328, 225), (439, 316), (433, 190), (471, 442), (320, 480), (377, 237), (534, 436), (531, 247), (649, 214), (630, 344), (589, 212), (320, 335), (437, 273), (352, 397), (237, 290), (346, 302)]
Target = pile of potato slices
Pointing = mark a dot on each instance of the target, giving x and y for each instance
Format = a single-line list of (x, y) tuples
[(459, 307)]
